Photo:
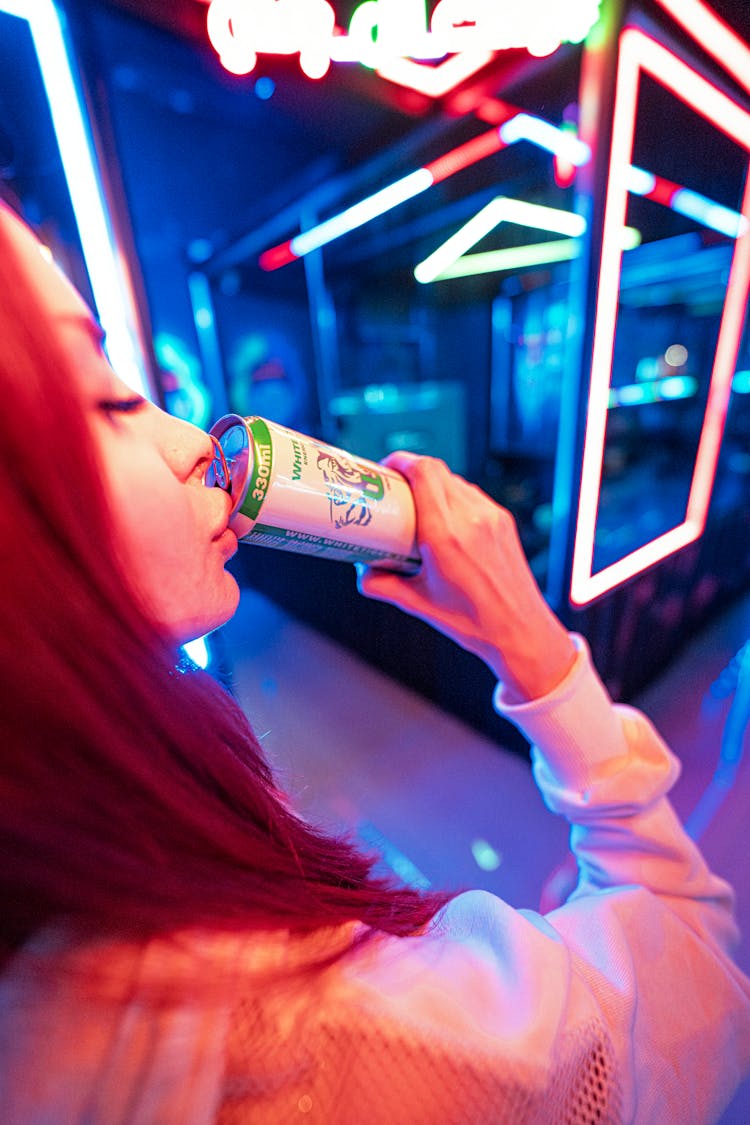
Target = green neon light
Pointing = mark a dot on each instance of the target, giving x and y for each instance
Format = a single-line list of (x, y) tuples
[(525, 257)]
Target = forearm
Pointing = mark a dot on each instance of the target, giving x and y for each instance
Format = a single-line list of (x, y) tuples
[(606, 769), (603, 767)]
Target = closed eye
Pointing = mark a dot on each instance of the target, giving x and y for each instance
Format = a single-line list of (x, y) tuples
[(121, 405)]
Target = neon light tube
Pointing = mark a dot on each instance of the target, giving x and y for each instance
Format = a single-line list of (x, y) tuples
[(639, 53), (530, 128), (517, 257), (277, 256), (360, 213), (523, 257), (434, 81), (639, 181), (710, 214), (689, 203), (465, 155), (713, 35), (552, 219), (705, 98), (561, 142), (512, 258), (467, 236), (499, 210), (110, 286), (384, 200)]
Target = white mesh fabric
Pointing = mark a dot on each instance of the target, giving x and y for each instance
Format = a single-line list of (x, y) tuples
[(341, 1072)]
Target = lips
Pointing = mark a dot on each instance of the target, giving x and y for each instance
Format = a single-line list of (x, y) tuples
[(223, 527), (224, 533), (227, 542)]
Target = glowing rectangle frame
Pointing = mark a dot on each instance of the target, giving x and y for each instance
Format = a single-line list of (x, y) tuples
[(105, 263), (714, 35), (639, 53)]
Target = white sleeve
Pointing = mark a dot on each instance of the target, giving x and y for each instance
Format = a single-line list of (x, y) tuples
[(649, 926), (622, 1005), (604, 767)]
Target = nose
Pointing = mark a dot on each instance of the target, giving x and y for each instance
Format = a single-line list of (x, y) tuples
[(188, 450)]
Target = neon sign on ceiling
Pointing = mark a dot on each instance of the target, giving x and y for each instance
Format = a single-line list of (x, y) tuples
[(383, 33)]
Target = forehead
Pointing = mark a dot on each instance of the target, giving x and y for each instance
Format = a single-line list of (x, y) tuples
[(55, 293)]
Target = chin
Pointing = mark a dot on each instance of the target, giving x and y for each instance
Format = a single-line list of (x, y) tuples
[(233, 598), (219, 615), (225, 597)]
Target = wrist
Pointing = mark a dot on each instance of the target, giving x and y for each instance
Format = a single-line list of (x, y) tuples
[(535, 665)]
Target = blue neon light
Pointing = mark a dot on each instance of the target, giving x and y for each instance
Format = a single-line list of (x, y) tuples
[(114, 300), (639, 181), (710, 214), (526, 127), (197, 651), (405, 188)]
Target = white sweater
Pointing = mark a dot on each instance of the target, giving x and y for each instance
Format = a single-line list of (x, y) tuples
[(623, 1005)]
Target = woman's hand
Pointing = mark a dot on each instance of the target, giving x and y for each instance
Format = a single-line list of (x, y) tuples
[(475, 584)]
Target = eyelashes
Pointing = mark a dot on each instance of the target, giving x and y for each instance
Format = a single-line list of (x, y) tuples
[(121, 405)]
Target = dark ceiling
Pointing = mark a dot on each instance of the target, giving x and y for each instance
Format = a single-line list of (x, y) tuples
[(229, 164), (347, 127), (187, 19)]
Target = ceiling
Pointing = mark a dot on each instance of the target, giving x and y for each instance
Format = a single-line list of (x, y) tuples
[(187, 19), (349, 126)]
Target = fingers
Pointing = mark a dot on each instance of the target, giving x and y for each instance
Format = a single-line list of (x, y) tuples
[(385, 586), (431, 479), (401, 461), (416, 468), (432, 484)]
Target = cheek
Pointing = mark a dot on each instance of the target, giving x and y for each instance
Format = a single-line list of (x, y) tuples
[(163, 535), (153, 534), (177, 569)]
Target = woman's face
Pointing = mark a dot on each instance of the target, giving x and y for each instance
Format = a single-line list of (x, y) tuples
[(171, 531)]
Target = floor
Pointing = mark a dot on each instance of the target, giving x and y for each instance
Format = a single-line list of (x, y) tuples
[(442, 803)]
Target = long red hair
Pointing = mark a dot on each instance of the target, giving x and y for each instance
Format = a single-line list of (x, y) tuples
[(134, 797)]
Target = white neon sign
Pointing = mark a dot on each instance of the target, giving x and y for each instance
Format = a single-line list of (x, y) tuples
[(383, 31)]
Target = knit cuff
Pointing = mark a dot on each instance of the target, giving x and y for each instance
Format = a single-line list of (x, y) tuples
[(575, 727)]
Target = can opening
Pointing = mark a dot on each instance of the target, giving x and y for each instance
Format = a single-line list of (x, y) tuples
[(230, 435), (217, 474)]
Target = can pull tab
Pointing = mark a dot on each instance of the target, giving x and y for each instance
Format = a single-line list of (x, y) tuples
[(232, 463), (217, 474)]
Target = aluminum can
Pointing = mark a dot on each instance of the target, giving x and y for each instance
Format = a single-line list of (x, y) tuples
[(295, 493)]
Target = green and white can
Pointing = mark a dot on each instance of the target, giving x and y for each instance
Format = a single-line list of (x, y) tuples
[(296, 493)]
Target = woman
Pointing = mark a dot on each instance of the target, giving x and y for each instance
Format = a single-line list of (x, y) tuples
[(177, 945)]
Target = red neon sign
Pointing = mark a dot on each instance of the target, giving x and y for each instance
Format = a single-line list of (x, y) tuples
[(639, 53)]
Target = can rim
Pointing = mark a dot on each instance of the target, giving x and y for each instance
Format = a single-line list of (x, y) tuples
[(240, 465)]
